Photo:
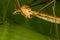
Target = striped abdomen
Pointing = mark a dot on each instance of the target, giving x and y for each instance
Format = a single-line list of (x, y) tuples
[(48, 18)]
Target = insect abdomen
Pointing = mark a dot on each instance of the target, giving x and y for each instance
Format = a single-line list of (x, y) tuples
[(48, 18)]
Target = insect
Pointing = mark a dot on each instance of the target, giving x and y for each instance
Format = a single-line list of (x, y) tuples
[(27, 12)]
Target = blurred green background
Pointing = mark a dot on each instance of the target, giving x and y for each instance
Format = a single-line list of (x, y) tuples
[(16, 27)]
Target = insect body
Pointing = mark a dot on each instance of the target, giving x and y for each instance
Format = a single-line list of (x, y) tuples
[(27, 12)]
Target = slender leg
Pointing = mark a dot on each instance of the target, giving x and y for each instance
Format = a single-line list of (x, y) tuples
[(17, 3), (46, 6), (34, 1), (57, 34)]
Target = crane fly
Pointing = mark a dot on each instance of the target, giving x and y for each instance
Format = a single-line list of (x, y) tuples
[(27, 12)]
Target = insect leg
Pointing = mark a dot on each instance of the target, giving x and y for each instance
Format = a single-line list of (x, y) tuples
[(17, 3), (38, 4)]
